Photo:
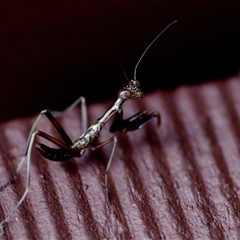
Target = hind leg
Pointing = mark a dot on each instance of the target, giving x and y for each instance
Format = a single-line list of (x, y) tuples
[(50, 115), (25, 158), (27, 155)]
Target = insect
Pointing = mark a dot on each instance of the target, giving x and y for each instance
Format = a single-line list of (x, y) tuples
[(68, 149)]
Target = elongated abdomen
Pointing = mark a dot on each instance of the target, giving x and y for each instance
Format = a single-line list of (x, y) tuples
[(54, 154)]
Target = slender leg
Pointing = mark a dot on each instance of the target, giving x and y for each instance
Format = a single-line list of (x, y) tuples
[(59, 128), (29, 146), (25, 157), (84, 119), (114, 140)]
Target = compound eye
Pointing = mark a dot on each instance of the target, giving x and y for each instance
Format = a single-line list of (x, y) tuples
[(124, 94), (136, 83)]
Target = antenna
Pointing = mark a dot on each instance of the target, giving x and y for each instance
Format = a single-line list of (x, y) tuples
[(169, 25)]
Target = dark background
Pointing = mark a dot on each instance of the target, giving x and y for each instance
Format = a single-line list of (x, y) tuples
[(52, 52)]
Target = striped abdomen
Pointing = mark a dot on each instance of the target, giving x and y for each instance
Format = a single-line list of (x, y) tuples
[(53, 154)]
